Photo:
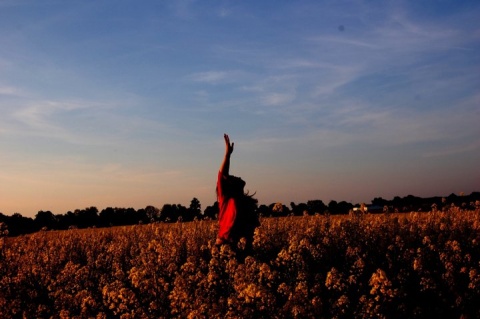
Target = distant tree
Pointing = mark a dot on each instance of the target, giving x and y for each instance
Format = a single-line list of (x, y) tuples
[(378, 201), (333, 207), (316, 206), (129, 216), (45, 219), (344, 207), (412, 203), (293, 208), (171, 212), (300, 209), (182, 213), (107, 217), (211, 212), (454, 199), (153, 213), (87, 217), (119, 217), (141, 217), (397, 203), (194, 210), (17, 225), (64, 221), (264, 211)]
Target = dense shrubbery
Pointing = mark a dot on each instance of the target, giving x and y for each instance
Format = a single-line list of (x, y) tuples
[(419, 265)]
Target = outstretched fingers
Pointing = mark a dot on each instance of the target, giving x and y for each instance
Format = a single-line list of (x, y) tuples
[(228, 145)]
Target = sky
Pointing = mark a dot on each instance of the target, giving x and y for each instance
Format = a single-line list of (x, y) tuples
[(125, 103)]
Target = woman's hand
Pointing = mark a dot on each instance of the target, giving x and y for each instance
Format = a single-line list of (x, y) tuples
[(228, 145), (225, 167)]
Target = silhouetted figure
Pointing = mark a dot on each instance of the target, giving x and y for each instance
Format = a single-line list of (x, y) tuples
[(237, 209)]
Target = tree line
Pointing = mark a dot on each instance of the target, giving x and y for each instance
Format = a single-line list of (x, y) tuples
[(91, 217)]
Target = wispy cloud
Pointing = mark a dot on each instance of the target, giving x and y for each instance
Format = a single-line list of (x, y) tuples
[(10, 90), (40, 116), (448, 150), (211, 77), (275, 90), (224, 12), (217, 77), (72, 121), (36, 115), (331, 81), (353, 43), (304, 63), (275, 98), (183, 8)]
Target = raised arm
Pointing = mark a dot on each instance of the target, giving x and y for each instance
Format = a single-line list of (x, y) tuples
[(225, 167)]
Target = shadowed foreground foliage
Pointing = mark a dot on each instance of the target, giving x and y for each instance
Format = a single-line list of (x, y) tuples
[(419, 265)]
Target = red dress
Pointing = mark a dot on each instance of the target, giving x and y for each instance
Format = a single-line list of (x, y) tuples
[(227, 211)]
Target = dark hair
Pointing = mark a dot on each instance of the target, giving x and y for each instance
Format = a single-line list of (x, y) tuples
[(233, 187), (247, 220)]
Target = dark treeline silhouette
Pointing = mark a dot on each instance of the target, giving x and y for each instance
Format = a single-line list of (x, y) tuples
[(90, 217)]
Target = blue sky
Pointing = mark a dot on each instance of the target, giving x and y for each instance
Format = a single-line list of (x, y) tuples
[(124, 103)]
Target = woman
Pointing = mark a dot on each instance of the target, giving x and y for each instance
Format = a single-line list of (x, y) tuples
[(237, 210)]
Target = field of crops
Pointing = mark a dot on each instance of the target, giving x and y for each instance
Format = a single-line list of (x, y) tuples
[(418, 265)]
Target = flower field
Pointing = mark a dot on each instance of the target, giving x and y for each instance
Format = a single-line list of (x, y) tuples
[(418, 265)]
